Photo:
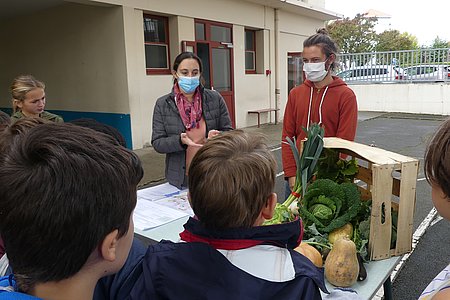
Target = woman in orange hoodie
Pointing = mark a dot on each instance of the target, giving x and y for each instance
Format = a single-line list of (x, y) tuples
[(322, 98)]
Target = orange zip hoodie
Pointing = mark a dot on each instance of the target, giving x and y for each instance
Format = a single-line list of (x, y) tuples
[(333, 106)]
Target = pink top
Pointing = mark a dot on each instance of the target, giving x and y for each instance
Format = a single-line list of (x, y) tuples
[(197, 135)]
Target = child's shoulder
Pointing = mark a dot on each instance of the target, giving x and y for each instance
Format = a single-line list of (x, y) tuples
[(439, 286), (168, 248)]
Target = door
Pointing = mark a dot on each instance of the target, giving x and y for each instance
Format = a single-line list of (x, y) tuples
[(213, 44)]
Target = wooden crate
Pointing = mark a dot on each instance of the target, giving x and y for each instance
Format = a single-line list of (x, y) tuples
[(389, 179)]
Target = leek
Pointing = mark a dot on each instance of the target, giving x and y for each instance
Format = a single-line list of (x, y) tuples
[(306, 163)]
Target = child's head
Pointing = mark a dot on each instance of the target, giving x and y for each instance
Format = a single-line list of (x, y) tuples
[(231, 181), (5, 119), (28, 95), (12, 130), (66, 199), (437, 169), (101, 127)]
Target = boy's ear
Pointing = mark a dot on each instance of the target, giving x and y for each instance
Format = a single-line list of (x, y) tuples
[(268, 210), (109, 246)]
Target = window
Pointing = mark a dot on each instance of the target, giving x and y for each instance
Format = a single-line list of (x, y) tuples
[(220, 33), (250, 51), (156, 41), (200, 31), (295, 69)]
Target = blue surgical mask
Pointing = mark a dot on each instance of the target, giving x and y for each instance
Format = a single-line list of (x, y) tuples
[(188, 84)]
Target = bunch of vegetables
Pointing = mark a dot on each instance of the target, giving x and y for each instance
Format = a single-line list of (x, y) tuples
[(336, 218), (306, 163), (330, 211), (336, 222)]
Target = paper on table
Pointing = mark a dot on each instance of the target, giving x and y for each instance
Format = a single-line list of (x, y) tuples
[(179, 202), (148, 214), (158, 192)]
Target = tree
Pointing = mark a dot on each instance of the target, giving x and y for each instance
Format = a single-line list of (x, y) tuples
[(439, 43), (393, 40), (438, 56), (354, 35), (413, 39)]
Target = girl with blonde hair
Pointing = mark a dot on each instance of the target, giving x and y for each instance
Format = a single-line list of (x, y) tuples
[(28, 99)]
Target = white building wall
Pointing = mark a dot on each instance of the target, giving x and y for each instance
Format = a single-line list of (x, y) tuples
[(227, 11), (427, 98), (77, 50), (252, 91)]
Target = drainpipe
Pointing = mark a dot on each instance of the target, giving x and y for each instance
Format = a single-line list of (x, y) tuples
[(277, 67)]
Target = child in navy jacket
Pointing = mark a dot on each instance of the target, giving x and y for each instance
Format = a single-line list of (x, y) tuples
[(225, 253)]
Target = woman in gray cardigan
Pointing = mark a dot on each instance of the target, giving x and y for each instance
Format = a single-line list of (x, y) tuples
[(185, 118)]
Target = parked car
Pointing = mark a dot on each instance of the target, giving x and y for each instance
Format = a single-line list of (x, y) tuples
[(381, 73), (428, 72)]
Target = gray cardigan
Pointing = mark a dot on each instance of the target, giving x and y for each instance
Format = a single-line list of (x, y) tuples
[(167, 127)]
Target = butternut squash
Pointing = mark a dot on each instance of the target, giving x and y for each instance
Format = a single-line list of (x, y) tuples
[(311, 253), (341, 265), (346, 230)]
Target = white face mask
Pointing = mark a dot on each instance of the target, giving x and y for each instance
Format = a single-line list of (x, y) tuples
[(315, 71)]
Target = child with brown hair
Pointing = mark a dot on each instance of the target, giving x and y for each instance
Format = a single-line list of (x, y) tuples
[(226, 253), (5, 119), (437, 172), (67, 195), (8, 132)]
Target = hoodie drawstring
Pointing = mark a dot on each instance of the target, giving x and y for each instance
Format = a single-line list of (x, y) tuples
[(320, 106)]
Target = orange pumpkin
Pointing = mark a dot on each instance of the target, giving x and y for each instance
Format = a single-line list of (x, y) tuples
[(311, 253)]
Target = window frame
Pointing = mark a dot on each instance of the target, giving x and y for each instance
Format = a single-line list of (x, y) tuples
[(250, 71), (159, 71)]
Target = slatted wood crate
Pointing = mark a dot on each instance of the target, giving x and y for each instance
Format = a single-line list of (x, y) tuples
[(389, 179)]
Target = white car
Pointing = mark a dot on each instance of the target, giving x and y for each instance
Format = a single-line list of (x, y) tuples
[(377, 73), (428, 72)]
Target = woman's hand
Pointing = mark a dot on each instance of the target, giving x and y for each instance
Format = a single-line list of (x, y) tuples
[(187, 141), (213, 133)]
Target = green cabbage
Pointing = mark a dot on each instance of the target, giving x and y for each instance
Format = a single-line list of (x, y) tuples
[(329, 205), (322, 212)]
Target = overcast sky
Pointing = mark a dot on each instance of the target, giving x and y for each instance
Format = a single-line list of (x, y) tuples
[(424, 19)]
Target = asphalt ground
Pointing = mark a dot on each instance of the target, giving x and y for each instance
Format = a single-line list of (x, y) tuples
[(406, 134)]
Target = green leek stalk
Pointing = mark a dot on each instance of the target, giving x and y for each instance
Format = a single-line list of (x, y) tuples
[(306, 163)]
